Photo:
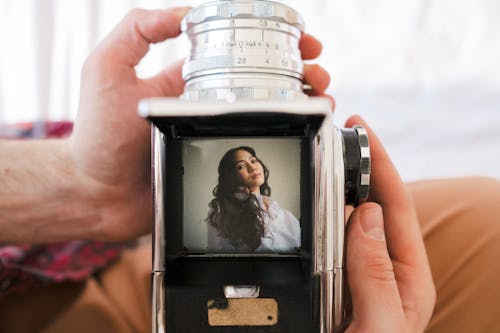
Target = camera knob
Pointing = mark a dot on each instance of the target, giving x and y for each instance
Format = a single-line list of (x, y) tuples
[(357, 164)]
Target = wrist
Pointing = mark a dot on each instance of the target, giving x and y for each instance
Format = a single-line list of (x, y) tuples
[(122, 204), (42, 196)]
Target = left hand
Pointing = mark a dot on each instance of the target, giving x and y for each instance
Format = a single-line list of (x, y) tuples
[(110, 144)]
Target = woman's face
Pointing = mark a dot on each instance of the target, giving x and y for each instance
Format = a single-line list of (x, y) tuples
[(249, 170)]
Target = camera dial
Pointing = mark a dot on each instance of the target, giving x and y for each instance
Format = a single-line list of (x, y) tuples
[(357, 164)]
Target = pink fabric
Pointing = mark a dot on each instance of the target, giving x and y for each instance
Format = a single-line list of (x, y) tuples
[(23, 267)]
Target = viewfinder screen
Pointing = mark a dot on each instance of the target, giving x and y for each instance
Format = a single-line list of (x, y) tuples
[(241, 195)]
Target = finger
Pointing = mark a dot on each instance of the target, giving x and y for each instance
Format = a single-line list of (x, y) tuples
[(310, 47), (376, 303), (129, 41), (387, 189), (168, 82), (317, 77), (404, 240)]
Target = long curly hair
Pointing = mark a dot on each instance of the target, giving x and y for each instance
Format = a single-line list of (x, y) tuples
[(234, 212)]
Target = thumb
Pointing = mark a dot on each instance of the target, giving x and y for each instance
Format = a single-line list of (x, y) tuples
[(169, 81), (373, 288)]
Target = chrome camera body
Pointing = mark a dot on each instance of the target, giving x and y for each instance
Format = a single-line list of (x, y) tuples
[(250, 182)]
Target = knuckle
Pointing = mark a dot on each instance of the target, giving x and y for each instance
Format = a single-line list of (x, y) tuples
[(379, 268), (89, 63), (94, 70), (406, 204), (134, 14), (428, 304), (432, 297)]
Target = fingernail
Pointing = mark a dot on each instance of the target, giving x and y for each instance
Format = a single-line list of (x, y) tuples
[(181, 11), (372, 222)]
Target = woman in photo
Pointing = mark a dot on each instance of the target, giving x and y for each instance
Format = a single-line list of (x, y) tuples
[(242, 216)]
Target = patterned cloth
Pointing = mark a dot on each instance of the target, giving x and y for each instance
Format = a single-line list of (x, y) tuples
[(24, 267)]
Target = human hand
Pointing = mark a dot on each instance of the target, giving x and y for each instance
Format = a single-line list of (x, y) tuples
[(314, 75), (110, 144), (387, 268)]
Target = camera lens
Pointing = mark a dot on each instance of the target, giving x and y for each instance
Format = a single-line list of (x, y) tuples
[(243, 49)]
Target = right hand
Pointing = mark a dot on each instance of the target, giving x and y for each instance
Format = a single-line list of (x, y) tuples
[(388, 272)]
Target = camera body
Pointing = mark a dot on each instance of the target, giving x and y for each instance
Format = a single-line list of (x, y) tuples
[(306, 286), (208, 276)]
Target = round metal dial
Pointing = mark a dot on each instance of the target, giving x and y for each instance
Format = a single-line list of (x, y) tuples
[(357, 164), (238, 37)]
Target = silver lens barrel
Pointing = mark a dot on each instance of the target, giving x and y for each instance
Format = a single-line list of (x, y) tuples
[(243, 49)]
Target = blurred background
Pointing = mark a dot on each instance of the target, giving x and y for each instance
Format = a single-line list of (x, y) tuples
[(424, 74)]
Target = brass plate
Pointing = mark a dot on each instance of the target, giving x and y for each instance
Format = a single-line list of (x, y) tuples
[(243, 312)]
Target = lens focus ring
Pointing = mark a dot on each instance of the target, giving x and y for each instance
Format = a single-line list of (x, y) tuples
[(243, 37), (239, 9)]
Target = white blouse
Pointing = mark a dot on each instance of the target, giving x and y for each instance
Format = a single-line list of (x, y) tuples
[(281, 231)]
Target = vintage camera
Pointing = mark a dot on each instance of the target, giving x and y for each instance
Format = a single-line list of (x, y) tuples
[(250, 182)]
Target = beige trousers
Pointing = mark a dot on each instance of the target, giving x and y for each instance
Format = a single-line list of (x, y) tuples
[(460, 222)]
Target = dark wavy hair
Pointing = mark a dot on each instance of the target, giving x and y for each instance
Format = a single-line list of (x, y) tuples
[(234, 212)]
